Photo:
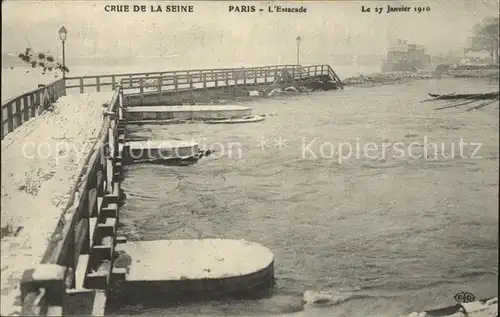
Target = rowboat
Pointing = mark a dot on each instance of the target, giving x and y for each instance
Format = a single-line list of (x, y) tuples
[(174, 161), (247, 119), (480, 100)]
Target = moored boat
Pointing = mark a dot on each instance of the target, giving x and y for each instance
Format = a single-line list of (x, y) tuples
[(489, 95), (247, 119)]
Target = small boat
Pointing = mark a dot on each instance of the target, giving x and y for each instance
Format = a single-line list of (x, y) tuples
[(175, 161), (490, 95), (247, 119)]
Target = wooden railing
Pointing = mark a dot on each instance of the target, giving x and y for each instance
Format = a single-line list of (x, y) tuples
[(20, 109), (178, 81), (206, 78), (83, 239), (334, 76), (101, 82)]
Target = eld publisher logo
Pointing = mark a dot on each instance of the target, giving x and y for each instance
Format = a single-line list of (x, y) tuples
[(464, 297)]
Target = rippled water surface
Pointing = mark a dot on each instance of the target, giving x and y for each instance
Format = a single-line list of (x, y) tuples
[(402, 232)]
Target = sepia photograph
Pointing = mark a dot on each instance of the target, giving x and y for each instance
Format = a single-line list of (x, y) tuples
[(250, 158)]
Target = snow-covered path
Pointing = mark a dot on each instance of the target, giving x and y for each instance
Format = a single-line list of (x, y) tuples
[(41, 161)]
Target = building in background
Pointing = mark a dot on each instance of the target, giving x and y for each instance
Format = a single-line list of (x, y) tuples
[(471, 57), (406, 57)]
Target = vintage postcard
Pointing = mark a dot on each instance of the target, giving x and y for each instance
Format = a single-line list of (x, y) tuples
[(250, 158)]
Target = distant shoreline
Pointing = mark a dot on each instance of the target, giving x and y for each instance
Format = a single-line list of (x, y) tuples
[(375, 79)]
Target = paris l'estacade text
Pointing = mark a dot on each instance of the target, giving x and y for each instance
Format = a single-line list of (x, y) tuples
[(301, 9), (272, 9)]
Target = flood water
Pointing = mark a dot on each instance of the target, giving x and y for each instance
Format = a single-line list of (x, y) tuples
[(399, 229)]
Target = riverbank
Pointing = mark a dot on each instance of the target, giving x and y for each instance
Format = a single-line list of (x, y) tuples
[(385, 78), (41, 162), (401, 77), (473, 73)]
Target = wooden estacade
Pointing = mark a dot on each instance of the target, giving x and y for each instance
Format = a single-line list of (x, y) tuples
[(179, 81), (77, 268), (197, 78)]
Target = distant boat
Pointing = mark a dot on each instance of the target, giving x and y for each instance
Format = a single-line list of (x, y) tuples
[(490, 95), (247, 119)]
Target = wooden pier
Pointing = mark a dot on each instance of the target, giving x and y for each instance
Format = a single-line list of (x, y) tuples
[(175, 81), (78, 268), (183, 86), (154, 88)]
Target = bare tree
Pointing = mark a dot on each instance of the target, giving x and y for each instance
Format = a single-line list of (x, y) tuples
[(486, 37), (42, 60)]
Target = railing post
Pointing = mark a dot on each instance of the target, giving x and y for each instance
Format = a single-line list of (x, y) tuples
[(113, 83), (141, 89), (176, 83), (98, 83), (141, 86), (18, 113), (63, 86), (26, 112), (32, 105), (81, 85), (39, 101), (10, 118), (57, 90), (160, 84), (53, 93), (120, 101)]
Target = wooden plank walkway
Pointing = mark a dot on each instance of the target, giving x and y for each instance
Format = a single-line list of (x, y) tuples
[(197, 78), (41, 162)]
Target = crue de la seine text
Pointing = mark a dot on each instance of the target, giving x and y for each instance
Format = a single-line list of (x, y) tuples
[(148, 8)]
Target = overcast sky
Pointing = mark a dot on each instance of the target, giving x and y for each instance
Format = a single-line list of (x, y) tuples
[(323, 29)]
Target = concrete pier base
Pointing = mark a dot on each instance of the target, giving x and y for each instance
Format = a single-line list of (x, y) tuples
[(142, 113), (171, 269)]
